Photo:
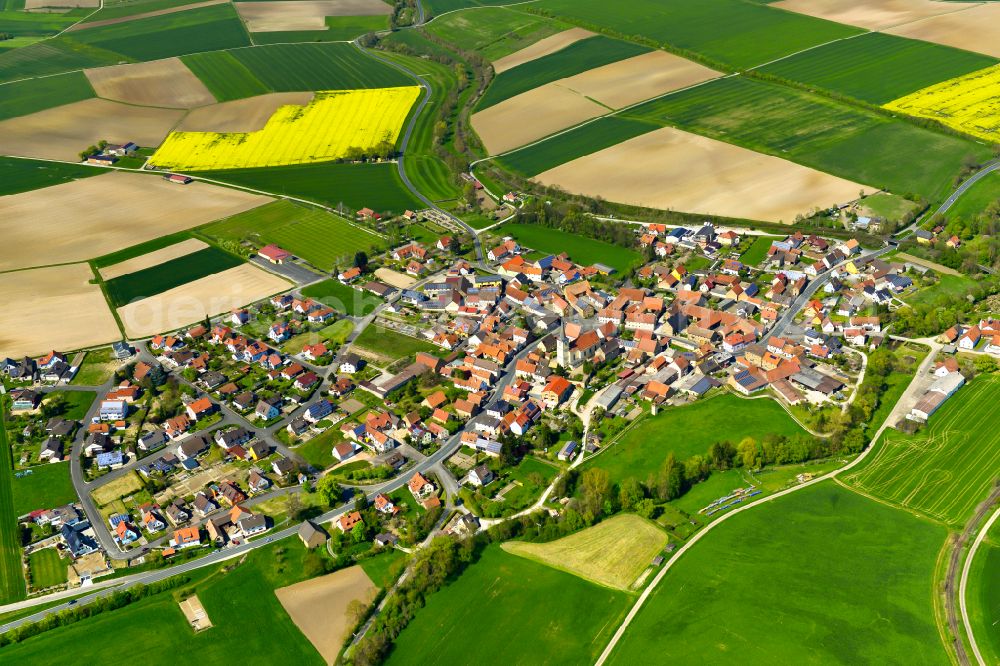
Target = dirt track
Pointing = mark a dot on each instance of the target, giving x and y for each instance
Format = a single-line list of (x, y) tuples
[(167, 83)]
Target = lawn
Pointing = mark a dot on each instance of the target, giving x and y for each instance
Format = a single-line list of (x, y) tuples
[(376, 186), (76, 403), (174, 273), (888, 206), (47, 486), (12, 586), (983, 596), (821, 576), (318, 451), (17, 175), (384, 569), (578, 57), (948, 468), (582, 250), (878, 67), (494, 32), (976, 199), (97, 367), (507, 609), (341, 297), (756, 252), (534, 477), (338, 331), (612, 553), (47, 568), (388, 344), (322, 238), (732, 32), (691, 430), (31, 95)]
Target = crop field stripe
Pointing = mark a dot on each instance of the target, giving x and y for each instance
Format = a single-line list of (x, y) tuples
[(12, 587), (224, 76), (31, 95), (174, 273), (576, 58), (23, 175), (324, 66), (53, 56)]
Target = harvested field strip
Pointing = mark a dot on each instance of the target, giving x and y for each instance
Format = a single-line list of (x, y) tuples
[(877, 67), (12, 586), (169, 274), (140, 250), (20, 175), (31, 95), (167, 83), (969, 103), (224, 75), (328, 127), (612, 553), (740, 34), (541, 48), (154, 258), (947, 469), (872, 14), (192, 302), (576, 58), (975, 29)]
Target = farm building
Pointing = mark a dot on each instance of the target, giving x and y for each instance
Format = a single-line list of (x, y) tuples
[(274, 254)]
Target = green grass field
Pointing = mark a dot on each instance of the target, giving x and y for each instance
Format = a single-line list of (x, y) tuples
[(983, 596), (34, 24), (174, 273), (975, 200), (493, 31), (878, 67), (323, 239), (389, 344), (12, 584), (17, 175), (47, 486), (97, 367), (202, 29), (756, 251), (942, 292), (690, 430), (821, 576), (889, 206), (225, 76), (384, 569), (112, 10), (945, 470), (582, 250), (24, 97), (138, 250), (509, 609), (578, 57), (376, 186), (77, 403), (739, 34), (52, 56), (47, 568), (341, 297)]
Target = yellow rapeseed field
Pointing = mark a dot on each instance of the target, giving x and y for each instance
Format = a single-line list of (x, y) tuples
[(325, 129), (969, 103)]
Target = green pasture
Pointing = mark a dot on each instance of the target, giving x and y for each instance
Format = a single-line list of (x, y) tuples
[(757, 249), (983, 596), (31, 95)]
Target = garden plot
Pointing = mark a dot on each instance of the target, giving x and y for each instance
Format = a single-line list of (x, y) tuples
[(167, 83), (52, 308), (145, 207), (542, 47), (241, 115), (63, 132), (974, 29), (286, 15), (672, 169), (192, 302), (155, 258), (873, 14)]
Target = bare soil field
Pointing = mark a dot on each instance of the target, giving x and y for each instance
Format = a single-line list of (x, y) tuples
[(133, 17), (196, 300), (280, 15), (636, 79), (676, 170), (532, 115), (167, 83), (394, 278), (53, 308), (91, 217), (241, 115), (156, 258), (40, 4), (319, 606), (975, 29), (63, 132), (873, 14), (542, 47)]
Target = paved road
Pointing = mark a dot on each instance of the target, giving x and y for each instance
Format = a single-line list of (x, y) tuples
[(984, 171)]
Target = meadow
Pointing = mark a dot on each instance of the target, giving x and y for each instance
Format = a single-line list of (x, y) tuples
[(341, 297), (47, 568), (582, 250), (948, 468), (97, 367), (878, 67), (47, 486), (500, 595), (21, 175), (493, 31), (976, 199), (731, 32), (387, 344), (12, 586), (757, 249), (75, 403), (821, 576), (24, 97), (356, 186), (578, 57), (690, 430), (174, 273)]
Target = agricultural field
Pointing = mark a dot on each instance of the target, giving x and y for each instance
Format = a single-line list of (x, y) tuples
[(23, 175), (342, 297), (889, 206), (153, 258), (329, 127), (582, 250), (47, 486), (388, 345), (169, 274), (166, 83), (225, 76), (31, 95), (306, 15), (119, 11), (493, 32), (336, 29), (983, 596), (546, 632), (612, 553), (877, 67), (773, 586), (543, 47), (976, 28), (47, 568), (737, 34), (249, 114), (969, 103), (690, 430), (12, 586), (51, 56), (976, 199), (356, 186), (872, 14), (323, 239), (948, 468)]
